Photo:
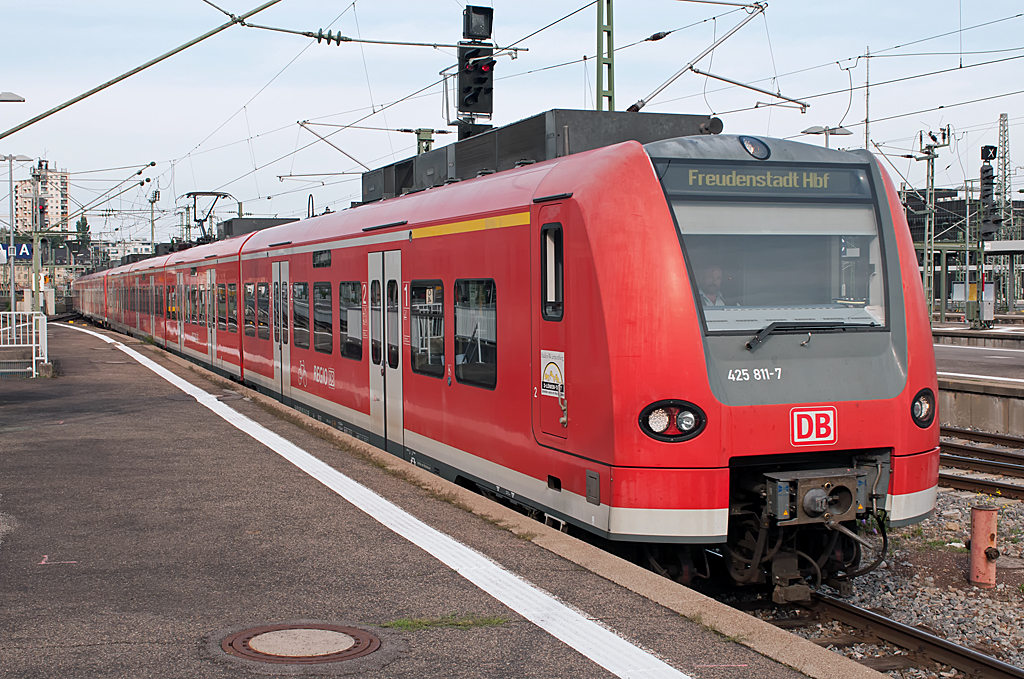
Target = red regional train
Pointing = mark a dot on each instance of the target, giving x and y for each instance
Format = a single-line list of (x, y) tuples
[(708, 344)]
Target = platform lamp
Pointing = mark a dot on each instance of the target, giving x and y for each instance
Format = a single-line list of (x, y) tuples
[(827, 131), (13, 98), (10, 183)]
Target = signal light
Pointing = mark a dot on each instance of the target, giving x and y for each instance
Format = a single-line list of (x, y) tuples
[(988, 185), (476, 79)]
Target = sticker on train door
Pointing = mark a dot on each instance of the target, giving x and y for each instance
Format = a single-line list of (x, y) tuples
[(813, 426), (552, 373)]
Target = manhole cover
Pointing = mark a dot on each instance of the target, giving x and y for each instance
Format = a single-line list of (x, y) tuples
[(303, 644)]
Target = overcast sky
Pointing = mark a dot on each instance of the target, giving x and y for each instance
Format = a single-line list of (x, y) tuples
[(222, 115)]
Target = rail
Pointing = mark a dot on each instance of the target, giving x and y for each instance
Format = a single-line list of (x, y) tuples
[(983, 437), (918, 642), (22, 333)]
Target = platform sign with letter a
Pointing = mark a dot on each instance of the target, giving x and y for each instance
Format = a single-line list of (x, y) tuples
[(813, 426)]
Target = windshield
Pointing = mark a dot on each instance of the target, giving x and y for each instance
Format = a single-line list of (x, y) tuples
[(794, 261)]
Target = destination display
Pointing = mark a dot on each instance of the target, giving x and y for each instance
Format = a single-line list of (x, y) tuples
[(684, 177)]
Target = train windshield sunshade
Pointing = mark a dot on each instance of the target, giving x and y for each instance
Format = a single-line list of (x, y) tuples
[(762, 263)]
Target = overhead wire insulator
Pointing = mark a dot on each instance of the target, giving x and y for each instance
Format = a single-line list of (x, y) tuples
[(330, 37)]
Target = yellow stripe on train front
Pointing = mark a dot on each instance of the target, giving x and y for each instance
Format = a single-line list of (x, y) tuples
[(519, 219)]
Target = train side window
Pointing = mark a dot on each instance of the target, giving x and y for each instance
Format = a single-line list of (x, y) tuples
[(323, 318), (201, 307), (427, 327), (232, 307), (222, 308), (552, 272), (350, 320), (476, 333), (393, 324), (300, 314), (249, 309), (263, 310), (375, 323)]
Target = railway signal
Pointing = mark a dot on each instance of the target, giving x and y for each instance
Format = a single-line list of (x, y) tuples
[(989, 222), (476, 79)]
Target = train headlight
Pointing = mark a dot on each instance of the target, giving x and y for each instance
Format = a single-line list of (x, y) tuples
[(922, 408), (672, 421), (658, 420)]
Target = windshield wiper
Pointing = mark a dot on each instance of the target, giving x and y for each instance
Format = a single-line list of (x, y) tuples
[(772, 328)]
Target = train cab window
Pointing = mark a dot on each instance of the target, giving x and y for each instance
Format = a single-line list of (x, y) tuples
[(476, 333), (796, 249), (394, 326), (263, 310), (350, 320), (552, 272), (323, 318), (300, 314), (222, 308), (376, 323), (249, 309), (426, 300), (232, 307)]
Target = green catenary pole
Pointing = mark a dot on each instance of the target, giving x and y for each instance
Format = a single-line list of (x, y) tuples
[(605, 57)]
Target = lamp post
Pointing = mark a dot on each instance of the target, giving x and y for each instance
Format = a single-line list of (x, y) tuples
[(827, 131), (10, 183), (13, 98)]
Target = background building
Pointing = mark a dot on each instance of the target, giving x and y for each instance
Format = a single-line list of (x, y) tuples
[(49, 188)]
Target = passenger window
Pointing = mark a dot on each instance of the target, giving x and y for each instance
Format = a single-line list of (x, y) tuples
[(222, 308), (249, 309), (427, 321), (375, 323), (476, 333), (323, 321), (232, 307), (350, 320), (552, 272), (263, 310), (300, 314)]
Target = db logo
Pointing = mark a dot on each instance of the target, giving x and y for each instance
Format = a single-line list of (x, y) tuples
[(812, 426)]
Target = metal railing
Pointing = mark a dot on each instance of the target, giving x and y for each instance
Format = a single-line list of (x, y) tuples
[(25, 330)]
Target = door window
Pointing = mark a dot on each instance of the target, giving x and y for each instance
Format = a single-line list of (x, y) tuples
[(393, 324), (222, 308), (232, 307), (376, 323)]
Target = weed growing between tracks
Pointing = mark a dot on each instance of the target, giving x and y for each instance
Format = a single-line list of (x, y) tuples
[(467, 621)]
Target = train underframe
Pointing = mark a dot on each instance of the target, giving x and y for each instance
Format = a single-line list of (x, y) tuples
[(794, 524)]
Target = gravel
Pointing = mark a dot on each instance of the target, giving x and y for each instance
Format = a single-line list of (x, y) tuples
[(924, 582)]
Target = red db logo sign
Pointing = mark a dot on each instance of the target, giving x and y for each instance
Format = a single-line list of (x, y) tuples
[(812, 426)]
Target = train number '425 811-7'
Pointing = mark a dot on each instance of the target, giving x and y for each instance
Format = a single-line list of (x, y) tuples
[(756, 374)]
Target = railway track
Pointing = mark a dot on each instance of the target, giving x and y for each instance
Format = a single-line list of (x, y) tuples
[(974, 458), (922, 645)]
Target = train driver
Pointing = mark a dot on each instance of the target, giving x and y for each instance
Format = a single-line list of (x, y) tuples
[(709, 283)]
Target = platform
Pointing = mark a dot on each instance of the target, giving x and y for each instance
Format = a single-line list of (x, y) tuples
[(143, 529)]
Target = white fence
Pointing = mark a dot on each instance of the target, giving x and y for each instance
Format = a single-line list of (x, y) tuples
[(25, 331)]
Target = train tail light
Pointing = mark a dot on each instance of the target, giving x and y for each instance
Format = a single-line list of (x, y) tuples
[(672, 420), (922, 408)]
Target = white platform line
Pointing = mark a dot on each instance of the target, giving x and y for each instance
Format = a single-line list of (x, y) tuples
[(983, 377), (583, 634)]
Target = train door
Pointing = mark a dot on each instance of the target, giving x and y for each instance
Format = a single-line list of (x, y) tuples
[(210, 303), (551, 406), (386, 294), (282, 352), (180, 310)]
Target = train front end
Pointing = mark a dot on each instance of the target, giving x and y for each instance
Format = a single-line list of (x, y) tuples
[(820, 390)]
